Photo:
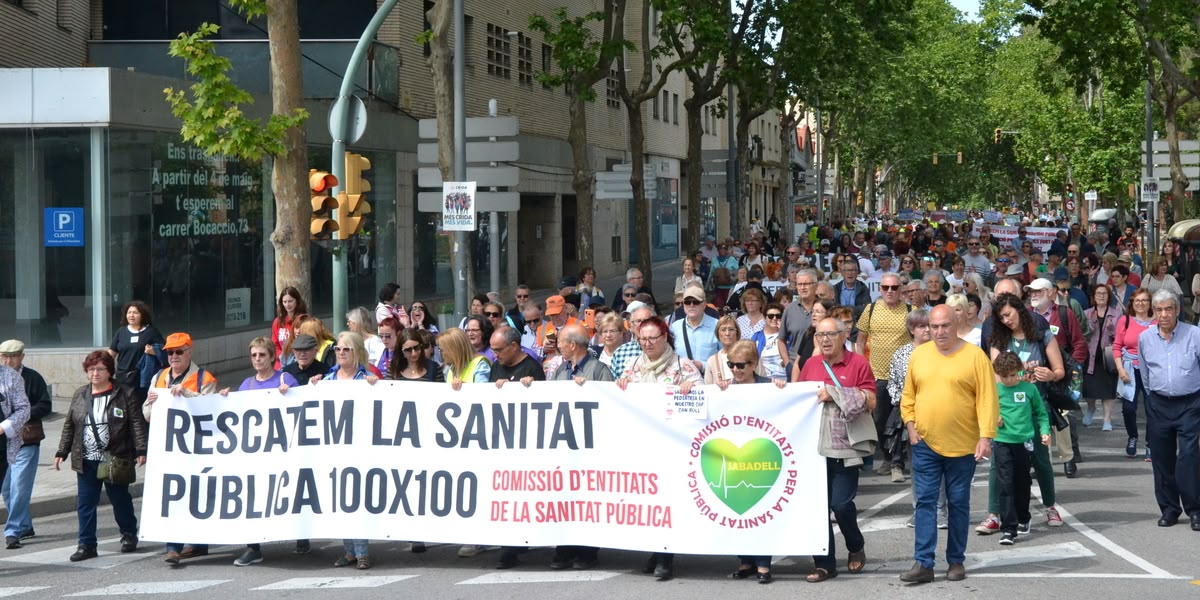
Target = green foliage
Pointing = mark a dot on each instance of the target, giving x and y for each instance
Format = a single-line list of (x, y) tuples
[(211, 109), (577, 50)]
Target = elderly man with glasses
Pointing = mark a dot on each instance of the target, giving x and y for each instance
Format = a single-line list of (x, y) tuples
[(882, 330), (696, 333)]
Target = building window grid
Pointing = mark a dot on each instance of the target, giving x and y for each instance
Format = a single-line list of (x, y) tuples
[(547, 61), (499, 52), (612, 92), (524, 60)]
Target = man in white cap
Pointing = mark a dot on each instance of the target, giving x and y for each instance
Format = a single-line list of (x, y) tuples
[(18, 482), (696, 333), (14, 412)]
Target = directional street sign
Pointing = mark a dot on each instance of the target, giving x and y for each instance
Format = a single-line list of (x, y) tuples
[(477, 127), (477, 152), (484, 177), (484, 201)]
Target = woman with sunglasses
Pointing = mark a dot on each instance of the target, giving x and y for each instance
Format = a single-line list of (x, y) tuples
[(351, 366), (742, 361), (908, 265), (770, 346), (410, 363), (1138, 318)]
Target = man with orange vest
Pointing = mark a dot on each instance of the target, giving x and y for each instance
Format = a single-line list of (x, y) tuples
[(183, 378)]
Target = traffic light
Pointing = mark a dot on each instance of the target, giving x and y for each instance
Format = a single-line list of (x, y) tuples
[(860, 198), (1070, 190), (998, 132), (351, 205), (321, 225)]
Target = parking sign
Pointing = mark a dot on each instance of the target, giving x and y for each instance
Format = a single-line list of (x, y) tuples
[(62, 227)]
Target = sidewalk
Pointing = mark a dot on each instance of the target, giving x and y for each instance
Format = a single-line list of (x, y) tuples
[(54, 491)]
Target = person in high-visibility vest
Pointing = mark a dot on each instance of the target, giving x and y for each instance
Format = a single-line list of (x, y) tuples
[(187, 379)]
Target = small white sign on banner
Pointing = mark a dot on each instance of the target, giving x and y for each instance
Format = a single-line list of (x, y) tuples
[(553, 464), (458, 206)]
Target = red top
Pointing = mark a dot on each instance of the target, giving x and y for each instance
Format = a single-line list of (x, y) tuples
[(852, 371), (1128, 330), (281, 332)]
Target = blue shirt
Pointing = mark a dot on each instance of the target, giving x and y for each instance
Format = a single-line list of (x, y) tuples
[(1170, 367), (703, 338)]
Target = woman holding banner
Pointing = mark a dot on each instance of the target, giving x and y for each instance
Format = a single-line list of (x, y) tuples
[(742, 360), (460, 362), (658, 363), (409, 363), (351, 365)]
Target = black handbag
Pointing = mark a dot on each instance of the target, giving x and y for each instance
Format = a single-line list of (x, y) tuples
[(112, 469)]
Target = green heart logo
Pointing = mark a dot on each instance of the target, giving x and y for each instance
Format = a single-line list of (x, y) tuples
[(740, 476)]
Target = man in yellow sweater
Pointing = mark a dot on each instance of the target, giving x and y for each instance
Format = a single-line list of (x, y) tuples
[(950, 409)]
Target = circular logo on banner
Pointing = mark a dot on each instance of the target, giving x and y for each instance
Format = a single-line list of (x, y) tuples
[(740, 472)]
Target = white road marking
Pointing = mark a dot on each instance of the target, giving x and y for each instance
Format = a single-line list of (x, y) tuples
[(542, 577), (1022, 554), (152, 587), (317, 583), (16, 591), (58, 556), (883, 524), (1111, 546)]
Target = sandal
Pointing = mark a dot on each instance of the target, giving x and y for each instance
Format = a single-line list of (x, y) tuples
[(344, 561), (856, 561), (819, 574), (364, 563)]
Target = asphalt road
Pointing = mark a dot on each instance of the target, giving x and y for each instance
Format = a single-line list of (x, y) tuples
[(1110, 547)]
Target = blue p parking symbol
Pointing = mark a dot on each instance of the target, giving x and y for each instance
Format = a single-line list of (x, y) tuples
[(63, 227)]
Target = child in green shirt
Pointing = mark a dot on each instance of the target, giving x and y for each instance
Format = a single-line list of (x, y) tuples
[(1020, 406)]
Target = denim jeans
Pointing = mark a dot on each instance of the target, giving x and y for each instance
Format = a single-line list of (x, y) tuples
[(762, 562), (355, 548), (841, 487), (18, 488), (88, 498), (929, 471)]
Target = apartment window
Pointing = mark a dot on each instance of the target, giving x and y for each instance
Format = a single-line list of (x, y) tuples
[(675, 108), (612, 93), (499, 52), (656, 107), (524, 60), (547, 61), (666, 103)]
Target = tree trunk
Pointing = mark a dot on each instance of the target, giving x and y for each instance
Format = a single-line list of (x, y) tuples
[(441, 67), (289, 173), (744, 201), (694, 165), (1179, 181), (637, 177), (581, 178), (787, 141)]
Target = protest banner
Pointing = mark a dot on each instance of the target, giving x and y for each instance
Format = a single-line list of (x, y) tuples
[(710, 472), (1041, 237)]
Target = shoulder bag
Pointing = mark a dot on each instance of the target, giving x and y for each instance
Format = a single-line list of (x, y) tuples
[(112, 469)]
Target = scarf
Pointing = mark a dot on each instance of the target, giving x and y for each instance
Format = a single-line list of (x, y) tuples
[(652, 370)]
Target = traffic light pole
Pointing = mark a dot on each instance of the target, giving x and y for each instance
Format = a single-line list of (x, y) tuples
[(460, 154), (339, 132)]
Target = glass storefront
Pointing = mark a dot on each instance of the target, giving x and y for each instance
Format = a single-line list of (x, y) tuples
[(186, 232), (432, 248), (44, 297)]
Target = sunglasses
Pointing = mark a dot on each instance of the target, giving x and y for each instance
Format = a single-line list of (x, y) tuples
[(341, 349), (774, 315), (411, 349), (175, 352), (628, 295), (491, 314), (692, 302), (889, 288), (519, 296), (736, 365)]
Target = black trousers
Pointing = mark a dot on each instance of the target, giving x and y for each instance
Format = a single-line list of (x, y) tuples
[(1173, 435), (883, 410), (1012, 476)]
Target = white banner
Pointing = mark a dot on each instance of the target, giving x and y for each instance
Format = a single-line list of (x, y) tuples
[(458, 206), (1041, 237), (714, 472)]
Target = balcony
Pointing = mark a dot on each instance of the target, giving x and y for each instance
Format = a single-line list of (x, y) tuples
[(323, 62)]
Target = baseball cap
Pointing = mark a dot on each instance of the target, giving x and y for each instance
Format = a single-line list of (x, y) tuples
[(694, 292), (555, 305), (568, 282), (304, 342), (12, 347), (1040, 284), (177, 340), (885, 254), (825, 242)]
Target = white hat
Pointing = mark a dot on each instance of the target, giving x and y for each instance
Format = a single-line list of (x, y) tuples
[(635, 305), (1040, 284)]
